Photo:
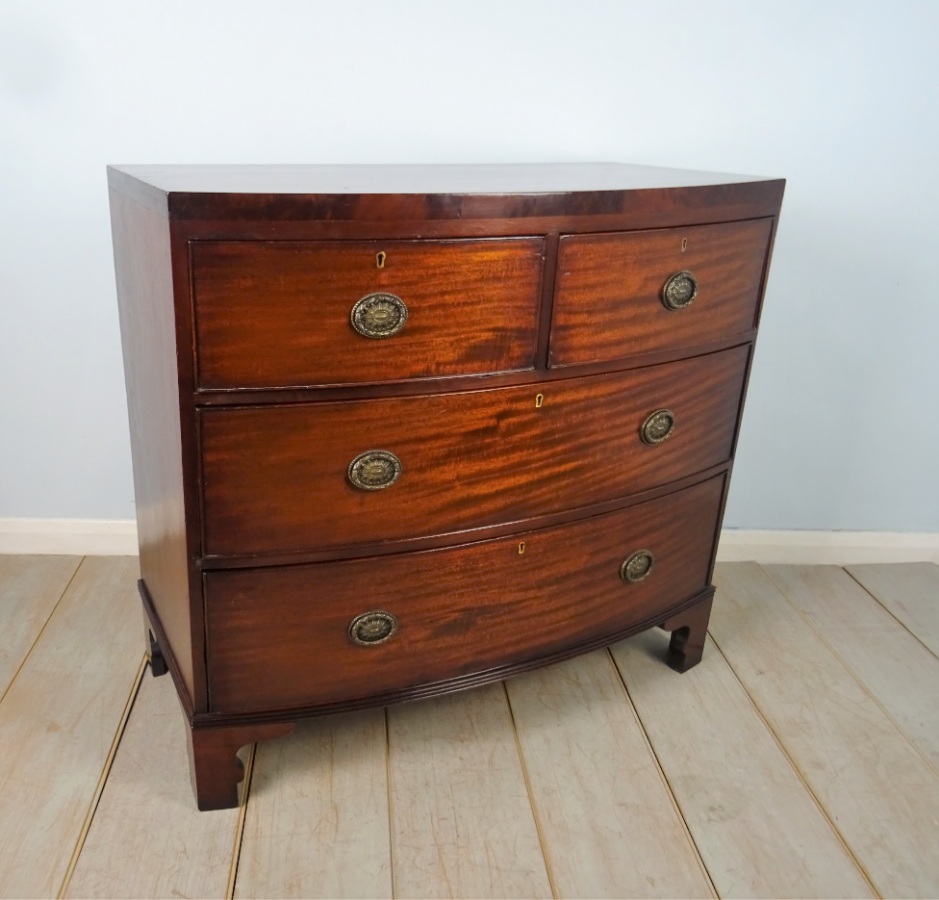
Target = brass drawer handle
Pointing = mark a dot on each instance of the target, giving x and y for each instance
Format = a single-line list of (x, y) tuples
[(680, 289), (658, 426), (379, 315), (373, 627), (637, 566), (374, 470)]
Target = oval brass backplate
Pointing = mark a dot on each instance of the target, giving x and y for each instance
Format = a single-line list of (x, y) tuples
[(658, 426), (374, 470), (374, 627), (637, 566), (379, 315), (680, 289)]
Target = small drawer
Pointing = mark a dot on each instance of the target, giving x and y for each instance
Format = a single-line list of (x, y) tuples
[(298, 478), (300, 636), (629, 293), (296, 313)]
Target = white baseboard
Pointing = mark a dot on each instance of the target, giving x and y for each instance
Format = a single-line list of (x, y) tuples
[(838, 548), (118, 537), (78, 537)]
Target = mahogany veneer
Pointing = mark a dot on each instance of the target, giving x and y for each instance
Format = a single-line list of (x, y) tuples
[(277, 312), (403, 430), (468, 459), (617, 279)]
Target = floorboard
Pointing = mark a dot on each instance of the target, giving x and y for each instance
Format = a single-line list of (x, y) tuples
[(30, 588), (897, 669), (317, 818), (147, 838), (608, 822), (758, 829), (910, 592), (58, 722), (799, 759), (461, 819), (877, 789)]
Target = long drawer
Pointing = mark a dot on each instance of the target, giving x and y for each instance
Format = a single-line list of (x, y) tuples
[(292, 479), (298, 636), (622, 294), (294, 313)]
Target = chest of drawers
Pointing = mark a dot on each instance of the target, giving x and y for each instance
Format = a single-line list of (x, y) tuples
[(402, 430)]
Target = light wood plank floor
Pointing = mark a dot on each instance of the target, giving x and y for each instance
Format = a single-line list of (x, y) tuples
[(800, 759)]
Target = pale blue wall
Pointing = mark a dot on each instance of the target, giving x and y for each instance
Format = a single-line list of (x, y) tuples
[(841, 98)]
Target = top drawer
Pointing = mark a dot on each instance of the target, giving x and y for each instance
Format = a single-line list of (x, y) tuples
[(280, 313), (610, 299)]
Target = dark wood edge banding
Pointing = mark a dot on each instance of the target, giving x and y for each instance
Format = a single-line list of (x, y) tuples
[(548, 279), (190, 445), (443, 229), (636, 205)]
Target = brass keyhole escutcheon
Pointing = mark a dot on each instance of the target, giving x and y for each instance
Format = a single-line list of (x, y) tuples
[(372, 628), (684, 244), (539, 401), (521, 548), (380, 258)]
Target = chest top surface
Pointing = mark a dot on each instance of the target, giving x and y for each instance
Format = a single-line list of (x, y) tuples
[(431, 191)]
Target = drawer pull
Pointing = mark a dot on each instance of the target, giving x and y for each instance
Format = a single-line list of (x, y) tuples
[(374, 470), (379, 315), (680, 289), (373, 627), (658, 426), (637, 566)]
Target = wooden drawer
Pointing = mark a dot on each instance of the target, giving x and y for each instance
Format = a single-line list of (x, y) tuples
[(279, 637), (609, 293), (276, 478), (279, 314)]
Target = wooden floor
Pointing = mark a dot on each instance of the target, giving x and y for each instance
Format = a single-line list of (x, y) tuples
[(800, 759)]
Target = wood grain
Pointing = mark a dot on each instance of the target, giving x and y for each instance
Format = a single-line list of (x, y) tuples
[(417, 196), (146, 813), (608, 303), (910, 592), (317, 820), (58, 721), (880, 652), (881, 794), (250, 393), (278, 313), (727, 771), (278, 637), (468, 459), (30, 588), (461, 818), (609, 825), (142, 262)]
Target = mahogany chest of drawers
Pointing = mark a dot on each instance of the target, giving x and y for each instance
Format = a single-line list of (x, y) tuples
[(403, 430)]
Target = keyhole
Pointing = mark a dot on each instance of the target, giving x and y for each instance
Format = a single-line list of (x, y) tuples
[(684, 244), (539, 401), (521, 548), (380, 259)]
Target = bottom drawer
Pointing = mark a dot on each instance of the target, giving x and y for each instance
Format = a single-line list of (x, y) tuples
[(279, 637)]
